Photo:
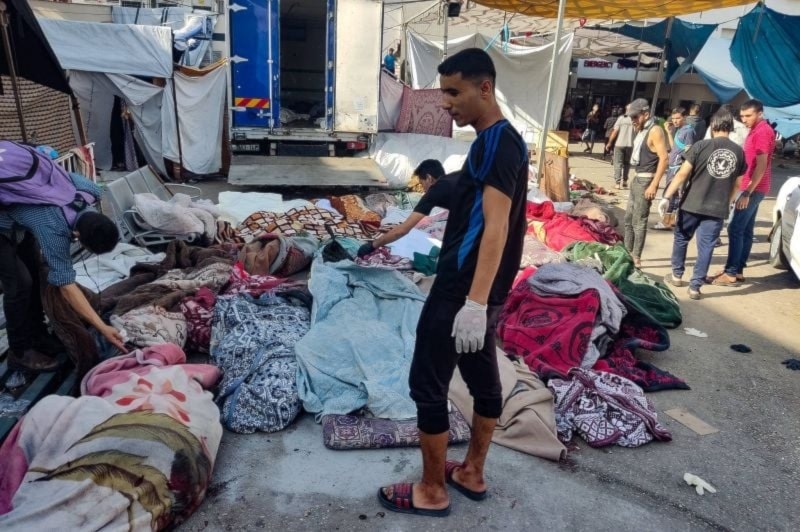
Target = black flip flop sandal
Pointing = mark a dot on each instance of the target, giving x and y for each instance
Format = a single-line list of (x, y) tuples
[(450, 467)]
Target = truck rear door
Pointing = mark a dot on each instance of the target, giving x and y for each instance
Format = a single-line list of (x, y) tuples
[(254, 56), (358, 32)]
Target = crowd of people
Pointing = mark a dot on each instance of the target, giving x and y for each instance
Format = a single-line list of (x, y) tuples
[(710, 173)]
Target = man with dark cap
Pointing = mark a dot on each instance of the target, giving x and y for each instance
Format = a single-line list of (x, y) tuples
[(649, 160)]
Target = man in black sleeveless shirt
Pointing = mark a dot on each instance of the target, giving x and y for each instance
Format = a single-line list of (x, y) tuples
[(479, 260), (649, 160)]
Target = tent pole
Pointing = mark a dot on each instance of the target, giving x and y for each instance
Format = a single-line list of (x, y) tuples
[(12, 70), (76, 112), (550, 86), (177, 131), (636, 76), (661, 67), (444, 44)]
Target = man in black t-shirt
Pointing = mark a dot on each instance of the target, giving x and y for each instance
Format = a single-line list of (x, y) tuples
[(711, 170), (479, 260), (438, 191)]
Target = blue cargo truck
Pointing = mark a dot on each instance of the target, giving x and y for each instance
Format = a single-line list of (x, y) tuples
[(304, 72)]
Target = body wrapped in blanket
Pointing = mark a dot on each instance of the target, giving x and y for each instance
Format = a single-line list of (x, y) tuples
[(135, 452)]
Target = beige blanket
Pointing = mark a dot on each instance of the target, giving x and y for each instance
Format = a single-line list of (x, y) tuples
[(528, 422)]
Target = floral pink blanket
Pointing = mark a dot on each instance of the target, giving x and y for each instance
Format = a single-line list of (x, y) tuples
[(421, 112), (135, 452)]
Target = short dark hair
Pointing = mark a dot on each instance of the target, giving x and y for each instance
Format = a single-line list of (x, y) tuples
[(722, 120), (752, 104), (430, 167), (679, 111), (473, 64), (97, 232)]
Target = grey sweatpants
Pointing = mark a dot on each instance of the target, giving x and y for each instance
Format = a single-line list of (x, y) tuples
[(636, 215)]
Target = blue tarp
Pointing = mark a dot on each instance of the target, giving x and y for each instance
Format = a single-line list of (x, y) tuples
[(787, 127), (685, 42), (723, 90), (766, 50)]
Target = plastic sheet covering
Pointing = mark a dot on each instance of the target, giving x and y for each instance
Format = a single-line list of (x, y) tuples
[(765, 44), (201, 107), (715, 66), (521, 95), (391, 101), (184, 23), (96, 91), (398, 154), (111, 48), (686, 41)]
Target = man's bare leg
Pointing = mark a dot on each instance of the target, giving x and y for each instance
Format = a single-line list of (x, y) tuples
[(431, 492), (470, 475)]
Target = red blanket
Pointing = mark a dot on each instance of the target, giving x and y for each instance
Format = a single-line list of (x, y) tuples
[(551, 334), (561, 229)]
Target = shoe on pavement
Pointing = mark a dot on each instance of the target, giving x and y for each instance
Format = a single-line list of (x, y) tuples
[(694, 294), (674, 281), (660, 226), (31, 360)]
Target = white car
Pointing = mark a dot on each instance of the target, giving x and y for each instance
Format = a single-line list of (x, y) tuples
[(784, 247)]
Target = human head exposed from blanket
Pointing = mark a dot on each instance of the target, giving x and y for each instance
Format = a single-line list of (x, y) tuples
[(467, 84), (96, 232), (428, 172)]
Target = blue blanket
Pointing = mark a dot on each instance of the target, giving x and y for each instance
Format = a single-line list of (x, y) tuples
[(358, 351)]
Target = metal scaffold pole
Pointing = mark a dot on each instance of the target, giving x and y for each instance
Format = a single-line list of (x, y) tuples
[(550, 86)]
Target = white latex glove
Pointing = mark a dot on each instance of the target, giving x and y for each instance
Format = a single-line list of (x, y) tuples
[(701, 486), (469, 327), (663, 206)]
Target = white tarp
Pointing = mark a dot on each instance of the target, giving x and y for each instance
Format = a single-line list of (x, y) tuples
[(391, 100), (110, 48), (103, 60), (522, 76), (398, 154), (192, 30), (201, 108), (95, 92)]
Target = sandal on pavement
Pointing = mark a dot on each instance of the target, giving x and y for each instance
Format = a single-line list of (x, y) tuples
[(725, 280), (402, 501), (449, 468)]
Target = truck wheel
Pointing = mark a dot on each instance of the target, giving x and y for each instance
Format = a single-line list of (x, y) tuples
[(777, 258)]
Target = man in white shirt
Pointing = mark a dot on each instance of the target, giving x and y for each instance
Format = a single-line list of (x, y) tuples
[(623, 135), (740, 131)]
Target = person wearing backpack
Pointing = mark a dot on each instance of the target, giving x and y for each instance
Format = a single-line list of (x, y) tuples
[(41, 203)]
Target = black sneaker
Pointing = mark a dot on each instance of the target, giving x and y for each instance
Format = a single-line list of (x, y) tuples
[(674, 281), (694, 294)]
